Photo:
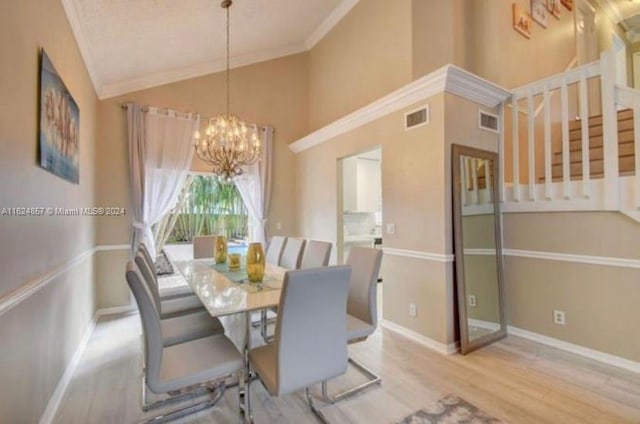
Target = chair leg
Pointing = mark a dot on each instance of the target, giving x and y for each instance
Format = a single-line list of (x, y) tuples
[(264, 324), (175, 397), (244, 399), (373, 379), (315, 410), (192, 409)]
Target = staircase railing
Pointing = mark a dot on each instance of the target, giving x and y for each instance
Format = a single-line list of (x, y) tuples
[(592, 86)]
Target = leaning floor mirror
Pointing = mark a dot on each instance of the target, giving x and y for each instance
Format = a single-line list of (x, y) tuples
[(478, 249)]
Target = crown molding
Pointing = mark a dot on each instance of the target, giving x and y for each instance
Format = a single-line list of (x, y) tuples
[(83, 45), (107, 90), (614, 12), (449, 79), (329, 22), (175, 75)]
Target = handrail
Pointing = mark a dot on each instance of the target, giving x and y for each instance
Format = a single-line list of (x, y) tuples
[(573, 62)]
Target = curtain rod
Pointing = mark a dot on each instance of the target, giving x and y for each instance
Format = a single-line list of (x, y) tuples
[(123, 106)]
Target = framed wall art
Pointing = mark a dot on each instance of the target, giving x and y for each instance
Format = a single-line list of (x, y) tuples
[(521, 21), (59, 133), (553, 6), (539, 12)]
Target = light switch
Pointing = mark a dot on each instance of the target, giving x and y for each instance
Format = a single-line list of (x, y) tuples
[(391, 228)]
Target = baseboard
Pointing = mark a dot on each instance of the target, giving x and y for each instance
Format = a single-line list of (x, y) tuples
[(58, 393), (425, 341), (486, 325), (596, 355), (115, 310)]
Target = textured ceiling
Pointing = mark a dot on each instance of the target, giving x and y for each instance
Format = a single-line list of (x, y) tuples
[(130, 44)]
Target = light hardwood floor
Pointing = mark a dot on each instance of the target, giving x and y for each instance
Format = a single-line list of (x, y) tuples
[(515, 380)]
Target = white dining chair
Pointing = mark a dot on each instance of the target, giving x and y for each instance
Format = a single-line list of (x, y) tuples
[(182, 370), (167, 292), (316, 254), (362, 314), (292, 253), (178, 328), (171, 307), (203, 246), (311, 334), (274, 251)]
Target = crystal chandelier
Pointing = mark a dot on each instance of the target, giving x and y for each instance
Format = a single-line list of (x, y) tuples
[(228, 143)]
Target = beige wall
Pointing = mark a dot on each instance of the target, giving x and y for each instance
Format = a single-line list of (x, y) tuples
[(438, 35), (600, 301), (500, 54), (269, 93), (365, 56), (413, 194), (40, 334)]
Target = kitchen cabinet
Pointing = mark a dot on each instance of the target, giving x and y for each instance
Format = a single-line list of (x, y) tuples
[(362, 189)]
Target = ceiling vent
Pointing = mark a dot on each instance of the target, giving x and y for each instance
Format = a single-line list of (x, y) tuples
[(416, 118), (488, 121)]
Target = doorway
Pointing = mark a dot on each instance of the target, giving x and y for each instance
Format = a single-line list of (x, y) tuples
[(586, 36), (360, 204)]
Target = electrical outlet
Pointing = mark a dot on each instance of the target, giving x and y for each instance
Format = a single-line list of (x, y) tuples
[(413, 310), (558, 317), (472, 301), (391, 228), (278, 226)]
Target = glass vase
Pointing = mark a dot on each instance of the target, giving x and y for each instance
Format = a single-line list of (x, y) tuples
[(255, 263), (220, 249)]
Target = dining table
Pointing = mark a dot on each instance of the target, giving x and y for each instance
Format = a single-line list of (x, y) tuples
[(228, 295)]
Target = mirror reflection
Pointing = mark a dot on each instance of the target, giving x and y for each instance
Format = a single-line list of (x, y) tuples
[(477, 248)]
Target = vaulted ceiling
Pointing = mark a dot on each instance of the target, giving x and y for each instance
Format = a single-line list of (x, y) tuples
[(131, 45)]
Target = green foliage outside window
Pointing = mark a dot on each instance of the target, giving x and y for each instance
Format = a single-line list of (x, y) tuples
[(211, 207)]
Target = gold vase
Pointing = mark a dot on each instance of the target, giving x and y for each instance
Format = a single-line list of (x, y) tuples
[(220, 249), (255, 262)]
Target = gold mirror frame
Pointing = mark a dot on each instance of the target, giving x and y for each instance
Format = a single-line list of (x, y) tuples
[(467, 345)]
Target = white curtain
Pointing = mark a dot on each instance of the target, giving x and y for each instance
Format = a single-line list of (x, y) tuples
[(254, 186), (160, 152)]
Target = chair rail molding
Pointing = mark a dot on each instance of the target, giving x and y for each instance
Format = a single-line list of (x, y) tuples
[(417, 254), (449, 78), (568, 257), (31, 287)]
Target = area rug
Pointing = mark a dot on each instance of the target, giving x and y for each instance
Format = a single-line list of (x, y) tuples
[(450, 409), (163, 265)]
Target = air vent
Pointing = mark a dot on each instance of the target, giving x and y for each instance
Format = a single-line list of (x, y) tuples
[(488, 121), (416, 118)]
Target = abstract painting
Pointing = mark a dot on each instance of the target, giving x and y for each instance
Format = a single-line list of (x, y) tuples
[(59, 124)]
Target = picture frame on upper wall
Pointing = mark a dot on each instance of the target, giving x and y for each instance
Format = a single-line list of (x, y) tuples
[(539, 12), (59, 125), (553, 6), (568, 4), (521, 21)]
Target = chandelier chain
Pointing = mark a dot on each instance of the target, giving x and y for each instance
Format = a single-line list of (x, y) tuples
[(228, 72)]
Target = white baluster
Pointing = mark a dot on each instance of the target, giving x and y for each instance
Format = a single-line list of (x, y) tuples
[(464, 181), (488, 183), (566, 170), (532, 148), (636, 147), (500, 173), (515, 153), (584, 123), (474, 181), (609, 130), (547, 144)]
